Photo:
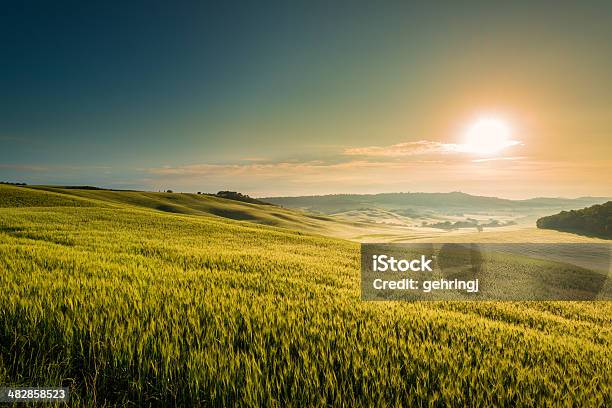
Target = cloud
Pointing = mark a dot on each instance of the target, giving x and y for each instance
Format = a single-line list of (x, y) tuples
[(507, 176), (24, 167), (498, 158), (311, 176), (427, 147), (51, 168), (487, 148), (253, 159), (420, 147), (276, 169)]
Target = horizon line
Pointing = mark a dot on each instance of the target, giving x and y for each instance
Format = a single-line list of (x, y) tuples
[(87, 186)]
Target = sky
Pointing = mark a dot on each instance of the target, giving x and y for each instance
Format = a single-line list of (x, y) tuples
[(310, 97)]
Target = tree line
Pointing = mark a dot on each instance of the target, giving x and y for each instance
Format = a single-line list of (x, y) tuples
[(595, 220)]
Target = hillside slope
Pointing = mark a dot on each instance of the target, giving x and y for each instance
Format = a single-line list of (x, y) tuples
[(177, 203), (17, 196)]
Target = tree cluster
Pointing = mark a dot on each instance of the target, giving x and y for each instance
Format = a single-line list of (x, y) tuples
[(236, 196), (595, 220)]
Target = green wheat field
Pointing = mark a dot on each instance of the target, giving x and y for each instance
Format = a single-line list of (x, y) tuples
[(137, 299)]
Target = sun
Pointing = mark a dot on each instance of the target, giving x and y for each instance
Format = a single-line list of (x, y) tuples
[(488, 136)]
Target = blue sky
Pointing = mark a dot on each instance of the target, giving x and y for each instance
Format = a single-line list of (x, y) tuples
[(276, 98)]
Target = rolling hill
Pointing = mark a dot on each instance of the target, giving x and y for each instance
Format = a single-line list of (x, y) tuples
[(423, 213), (176, 203), (17, 196)]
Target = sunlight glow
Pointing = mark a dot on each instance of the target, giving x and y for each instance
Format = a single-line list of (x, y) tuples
[(487, 136)]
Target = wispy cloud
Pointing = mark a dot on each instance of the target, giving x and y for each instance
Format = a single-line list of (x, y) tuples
[(318, 173), (425, 147), (24, 167), (507, 175), (498, 159), (420, 147), (279, 169), (253, 159), (38, 168)]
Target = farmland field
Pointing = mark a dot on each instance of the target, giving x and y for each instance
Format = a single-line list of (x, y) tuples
[(129, 305)]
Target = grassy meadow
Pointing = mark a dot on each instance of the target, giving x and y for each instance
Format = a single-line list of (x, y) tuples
[(136, 299)]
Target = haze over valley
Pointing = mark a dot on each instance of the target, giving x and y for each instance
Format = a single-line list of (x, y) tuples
[(434, 213)]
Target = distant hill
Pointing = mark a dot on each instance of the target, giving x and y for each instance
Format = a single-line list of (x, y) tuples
[(455, 201), (595, 221)]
